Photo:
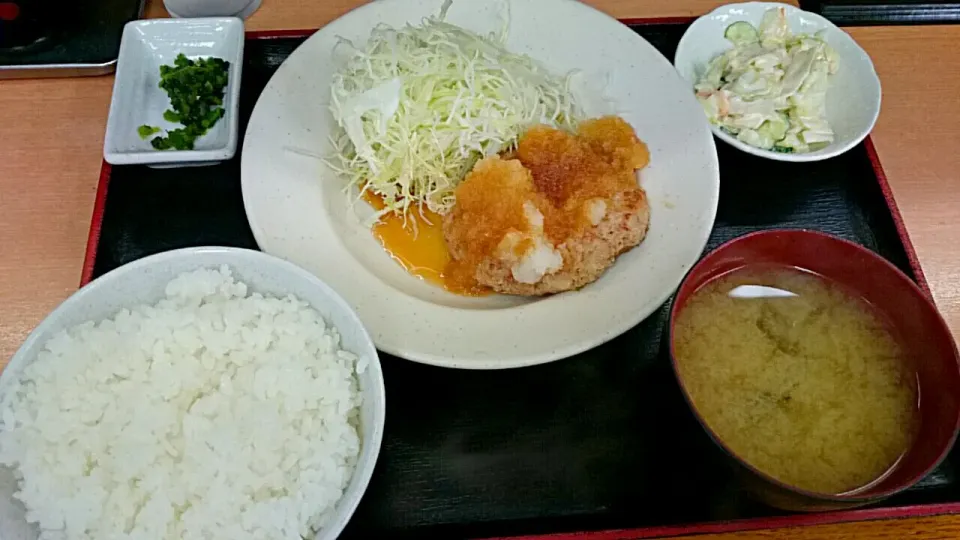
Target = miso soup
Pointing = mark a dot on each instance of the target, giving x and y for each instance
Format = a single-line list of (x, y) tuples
[(799, 377)]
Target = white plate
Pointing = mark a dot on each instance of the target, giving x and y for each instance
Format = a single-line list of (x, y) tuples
[(297, 210), (138, 100), (853, 98)]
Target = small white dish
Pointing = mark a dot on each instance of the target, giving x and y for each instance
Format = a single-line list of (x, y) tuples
[(853, 98), (211, 8), (144, 281), (138, 100), (297, 209)]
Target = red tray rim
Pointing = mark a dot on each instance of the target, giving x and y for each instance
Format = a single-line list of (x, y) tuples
[(739, 525)]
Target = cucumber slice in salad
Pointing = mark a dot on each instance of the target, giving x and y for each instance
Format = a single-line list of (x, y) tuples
[(776, 129), (741, 33)]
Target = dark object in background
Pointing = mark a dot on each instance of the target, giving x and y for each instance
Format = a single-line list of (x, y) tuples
[(59, 38), (22, 26), (885, 12)]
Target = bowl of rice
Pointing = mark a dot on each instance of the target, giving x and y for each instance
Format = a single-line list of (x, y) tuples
[(203, 393)]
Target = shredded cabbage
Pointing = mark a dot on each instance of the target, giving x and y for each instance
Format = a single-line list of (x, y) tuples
[(770, 90), (418, 106)]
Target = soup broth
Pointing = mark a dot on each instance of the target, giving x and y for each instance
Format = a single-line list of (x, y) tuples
[(799, 377)]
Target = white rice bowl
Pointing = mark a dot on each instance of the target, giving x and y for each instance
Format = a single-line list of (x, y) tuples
[(206, 402)]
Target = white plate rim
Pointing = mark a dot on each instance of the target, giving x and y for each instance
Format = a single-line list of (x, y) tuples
[(489, 328)]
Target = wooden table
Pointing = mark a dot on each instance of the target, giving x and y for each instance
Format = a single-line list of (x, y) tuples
[(51, 136)]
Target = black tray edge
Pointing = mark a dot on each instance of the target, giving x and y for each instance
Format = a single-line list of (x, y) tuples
[(876, 13), (746, 525)]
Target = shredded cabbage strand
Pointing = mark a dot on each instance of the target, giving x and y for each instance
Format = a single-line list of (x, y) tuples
[(419, 106)]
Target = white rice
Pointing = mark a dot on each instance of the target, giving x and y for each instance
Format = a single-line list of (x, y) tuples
[(213, 414)]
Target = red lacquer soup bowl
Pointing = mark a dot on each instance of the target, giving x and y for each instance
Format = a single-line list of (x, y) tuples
[(915, 319)]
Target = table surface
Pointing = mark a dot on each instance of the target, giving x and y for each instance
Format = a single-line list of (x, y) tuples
[(51, 133)]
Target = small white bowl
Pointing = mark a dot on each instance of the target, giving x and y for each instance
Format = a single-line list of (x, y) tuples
[(853, 97), (211, 8), (137, 98), (144, 281)]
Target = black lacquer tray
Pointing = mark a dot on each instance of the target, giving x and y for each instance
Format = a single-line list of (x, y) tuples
[(602, 443), (885, 12)]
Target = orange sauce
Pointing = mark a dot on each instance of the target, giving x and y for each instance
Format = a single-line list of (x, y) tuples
[(418, 246)]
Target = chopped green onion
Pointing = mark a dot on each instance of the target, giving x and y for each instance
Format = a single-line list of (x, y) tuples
[(145, 131), (196, 89)]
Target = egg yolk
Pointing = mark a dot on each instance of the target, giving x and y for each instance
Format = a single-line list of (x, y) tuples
[(419, 247)]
